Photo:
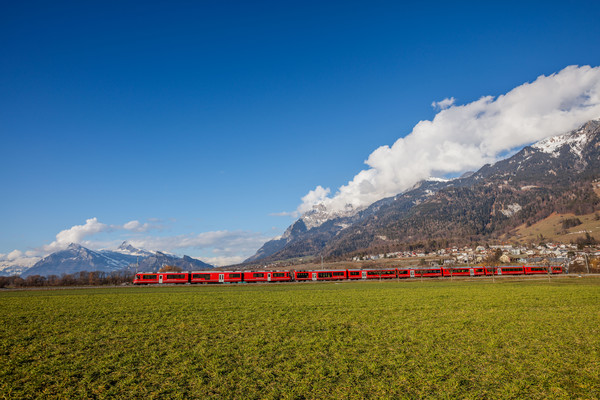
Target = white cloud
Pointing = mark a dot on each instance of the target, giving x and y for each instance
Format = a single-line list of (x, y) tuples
[(221, 247), (219, 241), (285, 214), (17, 258), (465, 137), (316, 196), (76, 234), (442, 105), (137, 226), (224, 260), (14, 255)]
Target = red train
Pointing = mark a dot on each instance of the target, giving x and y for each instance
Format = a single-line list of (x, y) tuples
[(339, 274)]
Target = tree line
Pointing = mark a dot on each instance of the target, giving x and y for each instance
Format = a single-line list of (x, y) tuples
[(83, 278)]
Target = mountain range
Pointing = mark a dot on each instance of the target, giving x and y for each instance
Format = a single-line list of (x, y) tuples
[(557, 174), (77, 258)]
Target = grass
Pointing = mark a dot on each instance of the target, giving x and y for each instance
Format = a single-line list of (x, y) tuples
[(551, 229), (418, 339)]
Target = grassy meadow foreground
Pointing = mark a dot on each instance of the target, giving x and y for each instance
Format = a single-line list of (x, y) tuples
[(443, 339)]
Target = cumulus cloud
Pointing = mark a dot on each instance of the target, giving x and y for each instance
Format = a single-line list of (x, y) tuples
[(13, 255), (442, 105), (285, 214), (316, 196), (17, 257), (223, 247), (76, 234), (79, 234), (137, 226), (222, 261), (222, 242), (465, 137)]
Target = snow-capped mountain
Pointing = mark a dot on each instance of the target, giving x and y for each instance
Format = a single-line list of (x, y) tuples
[(77, 258), (540, 178), (10, 268), (15, 264)]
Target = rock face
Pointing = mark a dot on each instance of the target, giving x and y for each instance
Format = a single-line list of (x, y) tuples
[(77, 258), (555, 174)]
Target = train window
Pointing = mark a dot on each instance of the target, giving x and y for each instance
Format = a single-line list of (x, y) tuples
[(235, 276), (388, 272), (324, 275), (175, 276), (430, 271), (372, 273), (301, 275), (201, 276), (459, 270), (339, 273), (278, 274), (149, 276), (403, 272), (258, 275), (354, 273)]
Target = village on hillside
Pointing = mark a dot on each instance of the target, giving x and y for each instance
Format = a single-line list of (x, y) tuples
[(571, 256)]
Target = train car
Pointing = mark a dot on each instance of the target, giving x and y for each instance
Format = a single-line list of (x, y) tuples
[(354, 274), (510, 270), (161, 277), (267, 276), (428, 272), (216, 277), (371, 273), (535, 269), (404, 273), (145, 278), (325, 275), (382, 274), (173, 277), (463, 271), (557, 270)]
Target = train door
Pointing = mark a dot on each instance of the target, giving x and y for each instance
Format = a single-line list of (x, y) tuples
[(364, 274), (412, 273), (269, 277), (314, 276), (499, 271), (221, 278), (472, 271)]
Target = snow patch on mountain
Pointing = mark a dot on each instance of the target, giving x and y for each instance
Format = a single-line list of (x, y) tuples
[(511, 209), (434, 179), (576, 140), (128, 249), (320, 214)]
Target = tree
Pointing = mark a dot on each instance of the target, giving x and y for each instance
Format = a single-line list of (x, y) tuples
[(494, 258), (169, 268)]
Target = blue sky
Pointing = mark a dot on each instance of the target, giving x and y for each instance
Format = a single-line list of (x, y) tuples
[(203, 119)]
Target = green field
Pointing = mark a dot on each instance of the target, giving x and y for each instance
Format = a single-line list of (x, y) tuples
[(420, 339)]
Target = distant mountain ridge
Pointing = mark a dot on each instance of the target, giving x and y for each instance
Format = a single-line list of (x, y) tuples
[(554, 174), (76, 258)]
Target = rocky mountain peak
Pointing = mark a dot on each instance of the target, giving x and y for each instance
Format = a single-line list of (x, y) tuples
[(575, 141)]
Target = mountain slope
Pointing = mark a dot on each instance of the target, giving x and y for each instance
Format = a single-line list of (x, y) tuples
[(553, 175), (77, 258)]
